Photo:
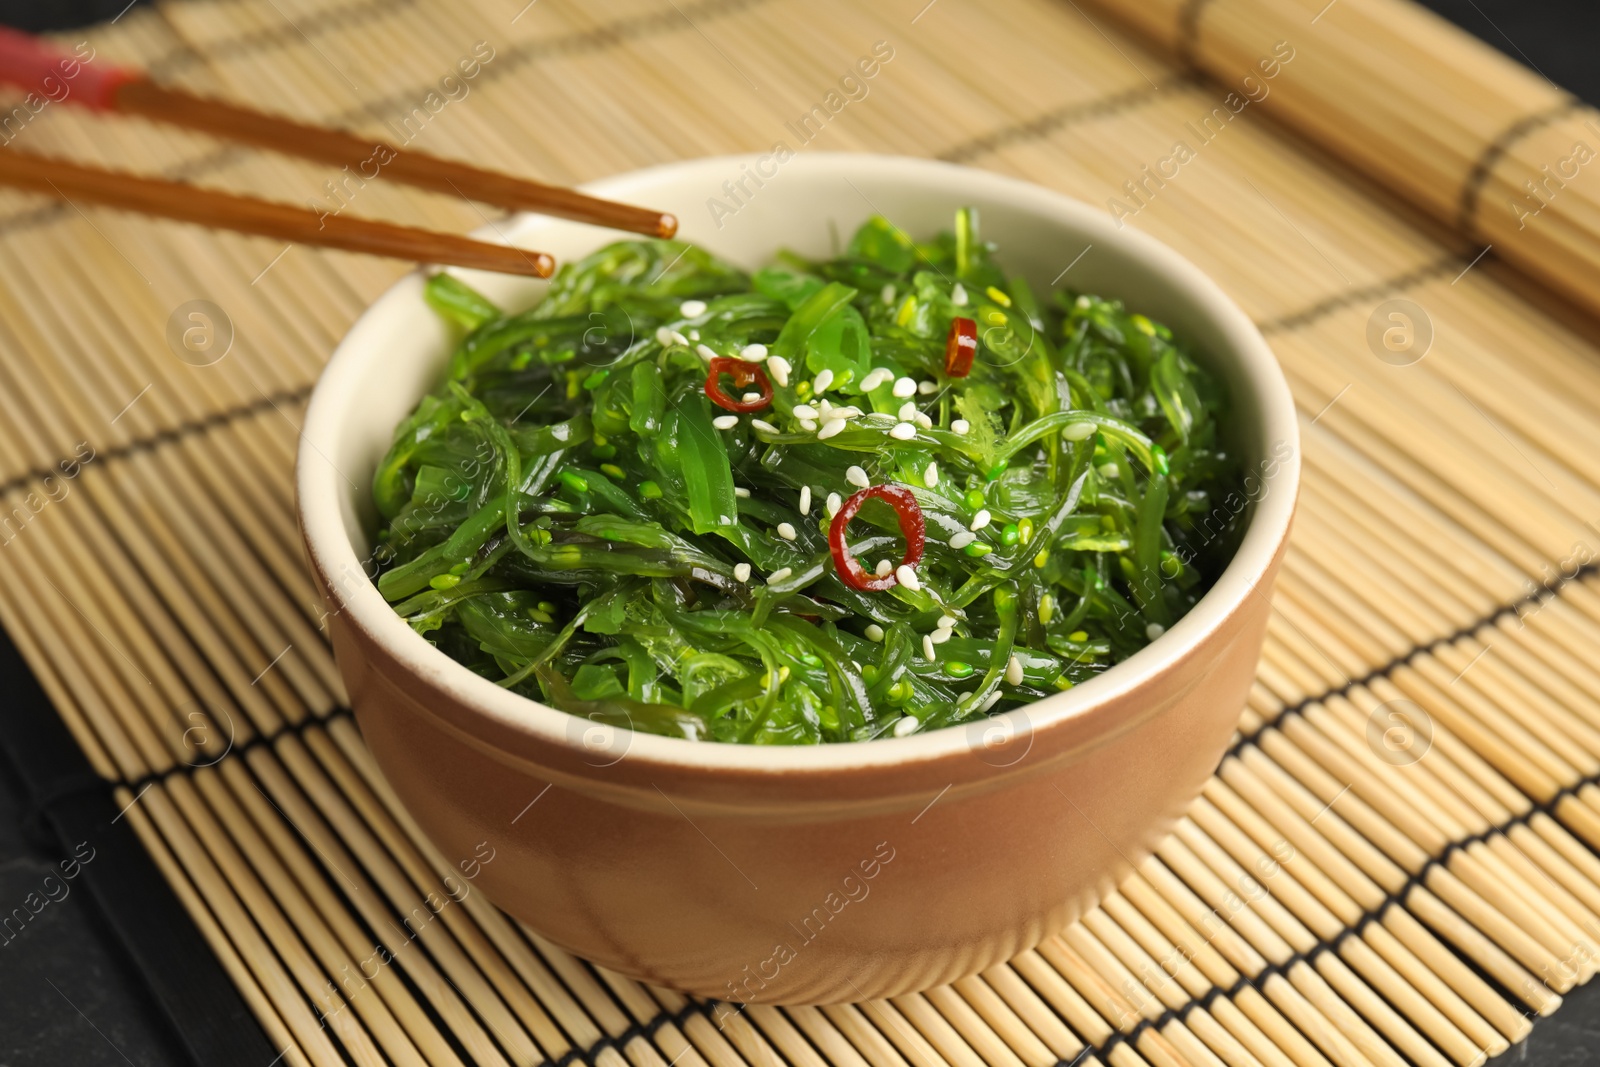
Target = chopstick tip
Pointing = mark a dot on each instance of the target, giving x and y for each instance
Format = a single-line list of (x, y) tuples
[(667, 225)]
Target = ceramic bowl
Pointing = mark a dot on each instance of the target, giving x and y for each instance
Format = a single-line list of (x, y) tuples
[(828, 873)]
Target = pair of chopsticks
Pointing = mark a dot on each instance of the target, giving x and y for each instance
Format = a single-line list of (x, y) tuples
[(32, 65)]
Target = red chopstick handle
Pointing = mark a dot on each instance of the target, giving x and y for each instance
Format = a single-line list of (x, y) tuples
[(40, 67)]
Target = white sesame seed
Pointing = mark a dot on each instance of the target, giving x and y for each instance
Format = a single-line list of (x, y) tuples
[(991, 701), (924, 421), (663, 336), (821, 382), (958, 295), (849, 411), (857, 477), (1154, 630), (903, 431), (741, 492), (679, 339), (834, 426), (835, 501), (753, 353), (725, 422), (1078, 431), (824, 406), (805, 500), (1109, 470), (706, 352), (962, 540), (778, 367), (907, 577), (906, 726), (804, 411), (786, 531), (904, 387), (941, 635), (741, 571), (927, 648), (808, 425), (960, 426), (908, 411), (930, 477), (885, 568), (946, 622), (763, 425), (750, 398), (1014, 671), (980, 520), (694, 335), (876, 378), (888, 294), (1083, 301), (690, 308), (779, 575), (874, 632), (927, 388)]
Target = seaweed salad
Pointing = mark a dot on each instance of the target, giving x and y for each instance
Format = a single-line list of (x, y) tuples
[(829, 501)]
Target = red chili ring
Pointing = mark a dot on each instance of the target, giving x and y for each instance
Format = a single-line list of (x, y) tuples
[(959, 347), (742, 374), (912, 528)]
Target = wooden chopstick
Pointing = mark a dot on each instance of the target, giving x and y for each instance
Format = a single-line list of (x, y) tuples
[(190, 203), (140, 96), (32, 64)]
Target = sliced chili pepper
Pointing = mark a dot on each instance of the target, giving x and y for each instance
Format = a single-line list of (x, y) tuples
[(912, 528), (742, 374), (959, 347)]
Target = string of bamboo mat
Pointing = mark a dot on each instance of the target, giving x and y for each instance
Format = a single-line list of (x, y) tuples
[(1414, 914)]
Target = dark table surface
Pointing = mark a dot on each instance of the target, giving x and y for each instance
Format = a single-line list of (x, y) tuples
[(68, 995)]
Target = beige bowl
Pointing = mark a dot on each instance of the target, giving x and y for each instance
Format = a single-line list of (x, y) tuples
[(830, 873)]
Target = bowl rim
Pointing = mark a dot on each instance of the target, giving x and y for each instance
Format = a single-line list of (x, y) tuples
[(330, 550)]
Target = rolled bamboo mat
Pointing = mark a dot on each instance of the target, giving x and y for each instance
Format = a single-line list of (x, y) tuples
[(1396, 863), (1483, 144)]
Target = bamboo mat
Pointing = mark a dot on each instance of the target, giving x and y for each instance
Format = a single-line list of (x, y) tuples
[(1466, 133), (1396, 862)]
